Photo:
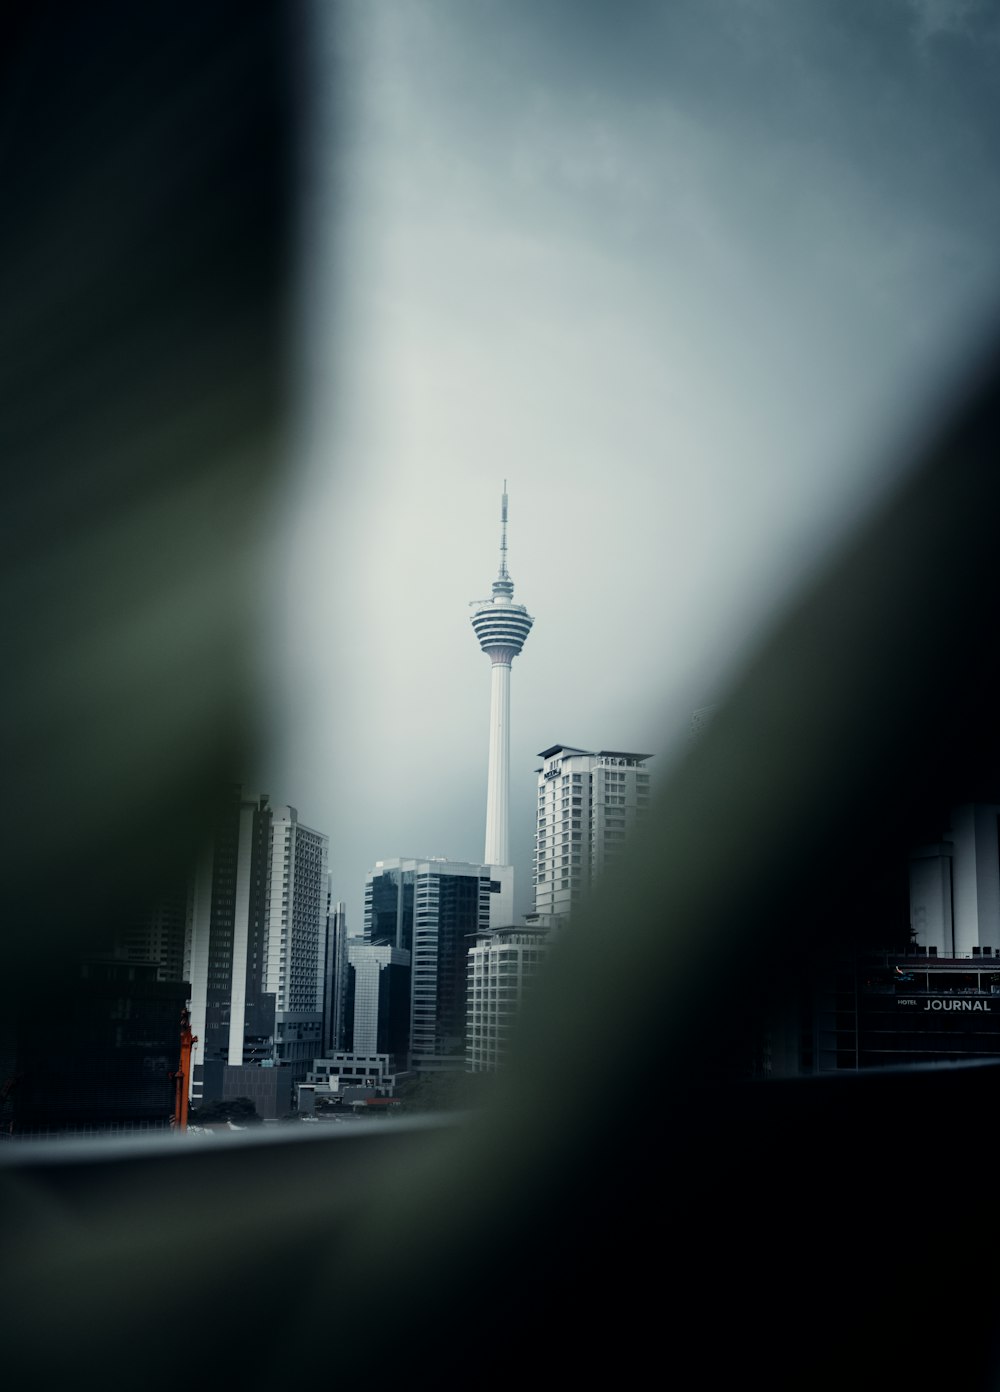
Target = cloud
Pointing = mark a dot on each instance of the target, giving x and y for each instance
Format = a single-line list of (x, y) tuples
[(680, 273)]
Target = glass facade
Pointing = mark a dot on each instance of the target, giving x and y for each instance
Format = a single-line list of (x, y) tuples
[(389, 909), (436, 908)]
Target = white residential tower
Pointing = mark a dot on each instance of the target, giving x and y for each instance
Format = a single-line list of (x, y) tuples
[(587, 804)]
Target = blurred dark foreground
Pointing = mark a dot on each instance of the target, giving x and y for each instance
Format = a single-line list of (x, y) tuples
[(805, 1233)]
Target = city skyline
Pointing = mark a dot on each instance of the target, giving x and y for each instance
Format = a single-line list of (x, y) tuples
[(686, 274), (683, 307)]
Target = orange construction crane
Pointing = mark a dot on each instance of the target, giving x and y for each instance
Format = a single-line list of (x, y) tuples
[(182, 1078)]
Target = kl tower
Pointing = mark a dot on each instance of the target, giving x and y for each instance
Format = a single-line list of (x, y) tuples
[(501, 627)]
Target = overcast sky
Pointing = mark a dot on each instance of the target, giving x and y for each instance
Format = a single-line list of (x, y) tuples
[(686, 275)]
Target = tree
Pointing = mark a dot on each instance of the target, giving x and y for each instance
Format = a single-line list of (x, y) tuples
[(241, 1111), (443, 1092)]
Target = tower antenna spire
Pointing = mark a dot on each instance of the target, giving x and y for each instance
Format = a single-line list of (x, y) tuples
[(503, 585), (504, 573)]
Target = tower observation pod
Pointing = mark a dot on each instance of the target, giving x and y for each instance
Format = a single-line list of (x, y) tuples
[(501, 627)]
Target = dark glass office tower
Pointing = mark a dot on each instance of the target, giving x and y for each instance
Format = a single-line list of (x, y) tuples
[(432, 909), (231, 1014)]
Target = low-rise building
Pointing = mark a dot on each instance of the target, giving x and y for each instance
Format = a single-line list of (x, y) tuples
[(379, 1072)]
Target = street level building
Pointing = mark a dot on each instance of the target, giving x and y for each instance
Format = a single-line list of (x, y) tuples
[(296, 938), (892, 1006), (587, 804), (922, 986), (921, 1009), (378, 1072)]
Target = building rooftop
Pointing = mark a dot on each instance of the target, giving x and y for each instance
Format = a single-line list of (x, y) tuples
[(537, 930), (596, 753)]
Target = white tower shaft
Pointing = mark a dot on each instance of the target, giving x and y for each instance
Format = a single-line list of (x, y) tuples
[(498, 777), (501, 627)]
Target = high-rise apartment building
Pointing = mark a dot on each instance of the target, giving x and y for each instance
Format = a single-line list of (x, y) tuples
[(256, 948), (502, 628), (431, 909), (587, 804), (501, 964), (296, 937), (232, 1015)]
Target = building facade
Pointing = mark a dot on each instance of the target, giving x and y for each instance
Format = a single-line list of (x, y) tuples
[(334, 973), (295, 963), (927, 995), (376, 1034), (431, 909), (501, 965), (879, 1007), (379, 1073), (103, 1054), (256, 945), (160, 936), (232, 1014), (587, 804)]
